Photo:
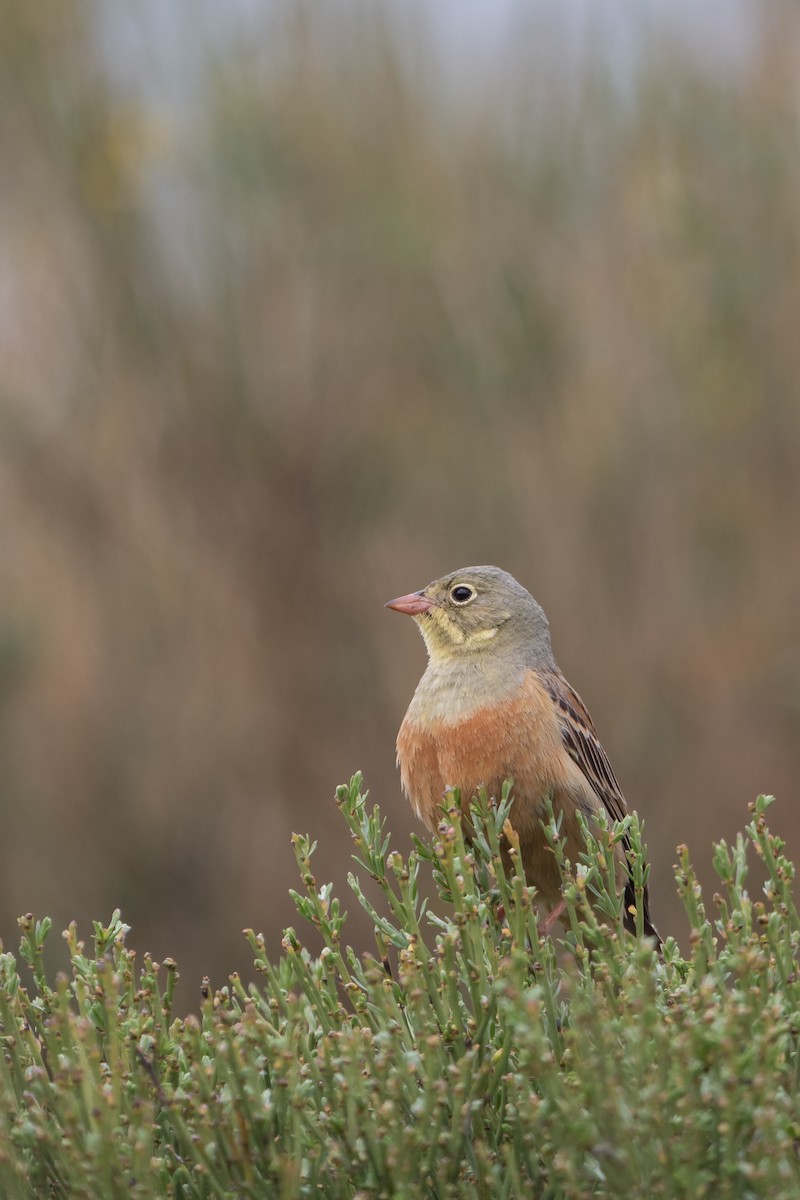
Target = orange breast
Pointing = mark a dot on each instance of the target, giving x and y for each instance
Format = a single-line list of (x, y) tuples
[(519, 739)]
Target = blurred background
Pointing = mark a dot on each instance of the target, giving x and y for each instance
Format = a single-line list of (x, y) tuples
[(304, 305)]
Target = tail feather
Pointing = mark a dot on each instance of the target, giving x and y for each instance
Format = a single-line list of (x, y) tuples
[(649, 929)]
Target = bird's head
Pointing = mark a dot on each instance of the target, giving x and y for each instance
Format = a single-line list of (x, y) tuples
[(471, 610)]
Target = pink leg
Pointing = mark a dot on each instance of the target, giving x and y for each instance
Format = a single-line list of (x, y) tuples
[(546, 927)]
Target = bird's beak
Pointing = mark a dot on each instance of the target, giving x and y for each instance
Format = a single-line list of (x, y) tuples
[(413, 604)]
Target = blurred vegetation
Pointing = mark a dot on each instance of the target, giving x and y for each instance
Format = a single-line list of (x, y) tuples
[(465, 1059), (292, 322)]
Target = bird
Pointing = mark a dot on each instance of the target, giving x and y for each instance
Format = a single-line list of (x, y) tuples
[(493, 705)]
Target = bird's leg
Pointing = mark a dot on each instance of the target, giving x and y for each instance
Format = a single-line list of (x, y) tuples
[(547, 924)]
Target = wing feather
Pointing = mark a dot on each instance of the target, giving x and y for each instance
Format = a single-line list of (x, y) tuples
[(586, 751)]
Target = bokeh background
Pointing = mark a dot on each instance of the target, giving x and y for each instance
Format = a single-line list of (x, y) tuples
[(302, 305)]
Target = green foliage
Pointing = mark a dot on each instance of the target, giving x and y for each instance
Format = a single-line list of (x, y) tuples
[(469, 1057)]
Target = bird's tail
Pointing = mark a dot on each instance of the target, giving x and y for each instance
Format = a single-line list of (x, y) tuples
[(630, 917)]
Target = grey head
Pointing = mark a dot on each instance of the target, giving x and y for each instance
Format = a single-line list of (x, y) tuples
[(479, 609)]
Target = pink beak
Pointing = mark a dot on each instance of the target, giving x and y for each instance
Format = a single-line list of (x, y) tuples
[(413, 604)]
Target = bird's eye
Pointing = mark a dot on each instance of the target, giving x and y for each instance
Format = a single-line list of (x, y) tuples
[(462, 594)]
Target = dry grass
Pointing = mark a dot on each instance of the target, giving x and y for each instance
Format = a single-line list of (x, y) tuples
[(311, 340)]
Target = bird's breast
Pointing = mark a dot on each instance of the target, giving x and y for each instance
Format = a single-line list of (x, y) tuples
[(478, 740)]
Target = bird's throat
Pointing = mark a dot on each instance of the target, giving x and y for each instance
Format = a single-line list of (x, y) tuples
[(454, 688)]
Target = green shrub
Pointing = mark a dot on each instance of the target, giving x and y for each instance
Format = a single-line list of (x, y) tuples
[(467, 1057)]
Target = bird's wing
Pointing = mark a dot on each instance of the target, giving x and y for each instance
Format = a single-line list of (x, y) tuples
[(584, 748), (583, 745)]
